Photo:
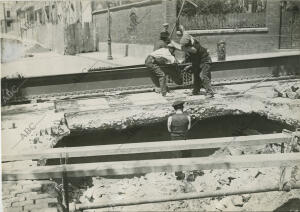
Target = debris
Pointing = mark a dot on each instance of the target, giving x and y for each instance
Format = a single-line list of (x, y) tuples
[(235, 151), (237, 201), (289, 91), (246, 197), (179, 175)]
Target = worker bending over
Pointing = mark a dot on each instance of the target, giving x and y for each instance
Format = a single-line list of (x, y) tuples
[(163, 41), (156, 60), (201, 63)]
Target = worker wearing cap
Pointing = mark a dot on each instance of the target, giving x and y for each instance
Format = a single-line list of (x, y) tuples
[(178, 126), (201, 63), (179, 123), (166, 27), (163, 41), (159, 58)]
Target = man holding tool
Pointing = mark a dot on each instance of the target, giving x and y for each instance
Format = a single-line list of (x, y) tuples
[(201, 63), (156, 60)]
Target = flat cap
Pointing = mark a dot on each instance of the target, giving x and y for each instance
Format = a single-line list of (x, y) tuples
[(164, 35), (185, 40), (166, 24), (178, 103)]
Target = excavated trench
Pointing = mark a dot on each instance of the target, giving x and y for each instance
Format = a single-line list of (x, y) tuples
[(219, 126), (214, 127)]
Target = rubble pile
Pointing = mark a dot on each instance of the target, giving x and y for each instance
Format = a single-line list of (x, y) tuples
[(165, 184), (289, 90)]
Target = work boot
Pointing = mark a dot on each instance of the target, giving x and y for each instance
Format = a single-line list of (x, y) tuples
[(210, 95), (194, 92), (157, 90), (179, 175), (191, 177), (163, 86)]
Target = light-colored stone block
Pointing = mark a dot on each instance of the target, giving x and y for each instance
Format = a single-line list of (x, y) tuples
[(147, 99)]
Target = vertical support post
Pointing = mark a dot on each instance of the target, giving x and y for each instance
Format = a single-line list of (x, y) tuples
[(109, 55), (4, 17), (282, 148), (65, 189), (280, 24)]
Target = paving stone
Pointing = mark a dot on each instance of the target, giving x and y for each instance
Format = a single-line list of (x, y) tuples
[(36, 206), (6, 204), (147, 99), (13, 209), (9, 183), (15, 188), (5, 192), (28, 194), (23, 203), (25, 182), (37, 196), (32, 187), (4, 197), (14, 199), (45, 210), (46, 200), (237, 201)]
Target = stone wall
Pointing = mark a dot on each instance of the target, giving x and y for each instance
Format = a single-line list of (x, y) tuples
[(147, 31), (137, 23), (29, 196), (248, 43)]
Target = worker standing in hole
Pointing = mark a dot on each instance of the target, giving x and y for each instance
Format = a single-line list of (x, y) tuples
[(178, 126), (179, 123), (161, 57), (201, 64)]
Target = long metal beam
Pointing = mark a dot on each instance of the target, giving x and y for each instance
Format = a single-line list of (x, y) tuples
[(120, 77)]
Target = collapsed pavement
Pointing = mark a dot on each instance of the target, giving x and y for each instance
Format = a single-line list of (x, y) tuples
[(126, 111)]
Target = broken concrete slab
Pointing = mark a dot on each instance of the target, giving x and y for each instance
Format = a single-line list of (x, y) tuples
[(147, 99)]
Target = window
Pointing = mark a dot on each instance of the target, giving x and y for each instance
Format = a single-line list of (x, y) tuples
[(8, 14)]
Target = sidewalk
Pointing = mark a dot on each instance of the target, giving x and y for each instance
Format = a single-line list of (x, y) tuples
[(51, 63)]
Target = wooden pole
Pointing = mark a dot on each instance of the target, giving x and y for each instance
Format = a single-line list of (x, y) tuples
[(65, 189), (146, 147), (109, 54), (4, 18), (179, 14), (156, 165)]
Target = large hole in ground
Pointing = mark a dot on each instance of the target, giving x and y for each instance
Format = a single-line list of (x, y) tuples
[(222, 126)]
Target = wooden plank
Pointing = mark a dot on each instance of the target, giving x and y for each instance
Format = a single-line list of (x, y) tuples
[(158, 165), (161, 146)]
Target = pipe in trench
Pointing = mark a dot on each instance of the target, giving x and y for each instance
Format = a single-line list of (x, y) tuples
[(81, 207)]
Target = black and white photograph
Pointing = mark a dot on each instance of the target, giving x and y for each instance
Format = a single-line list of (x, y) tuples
[(150, 105)]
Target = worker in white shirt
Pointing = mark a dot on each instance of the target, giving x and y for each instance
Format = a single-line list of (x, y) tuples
[(158, 58)]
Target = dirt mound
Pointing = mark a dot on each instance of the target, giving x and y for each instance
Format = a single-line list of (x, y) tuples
[(36, 48)]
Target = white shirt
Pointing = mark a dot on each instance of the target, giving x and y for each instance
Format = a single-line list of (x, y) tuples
[(164, 53)]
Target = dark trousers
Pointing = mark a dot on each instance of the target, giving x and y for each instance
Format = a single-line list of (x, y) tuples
[(184, 153), (158, 75), (202, 78)]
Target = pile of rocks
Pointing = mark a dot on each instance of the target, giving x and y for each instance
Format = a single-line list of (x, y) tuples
[(289, 90)]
